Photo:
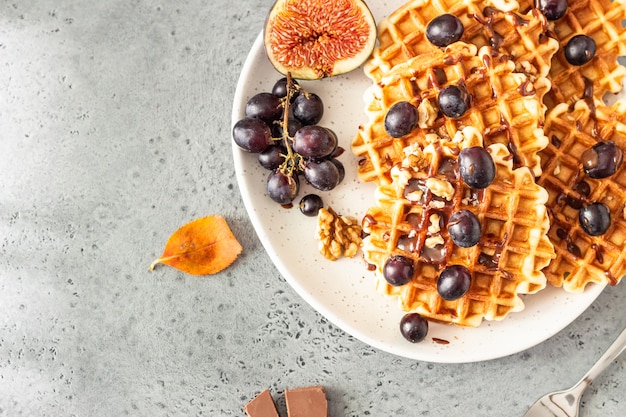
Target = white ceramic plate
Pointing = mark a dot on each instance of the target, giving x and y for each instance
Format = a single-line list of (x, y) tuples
[(343, 291)]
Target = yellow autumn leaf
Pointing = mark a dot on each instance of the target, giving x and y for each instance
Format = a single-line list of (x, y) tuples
[(201, 247)]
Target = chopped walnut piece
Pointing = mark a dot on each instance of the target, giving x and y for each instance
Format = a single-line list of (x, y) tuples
[(403, 176), (458, 138), (426, 114), (414, 196), (435, 138), (435, 225), (440, 188), (526, 67), (433, 241), (337, 235), (434, 204), (414, 158)]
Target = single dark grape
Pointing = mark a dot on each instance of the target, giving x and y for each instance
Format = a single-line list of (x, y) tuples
[(280, 88), (476, 167), (595, 219), (277, 127), (314, 141), (338, 149), (414, 327), (444, 30), (579, 50), (552, 9), (340, 167), (321, 174), (602, 160), (308, 108), (398, 270), (454, 282), (453, 101), (333, 134), (311, 204), (265, 106), (464, 228), (401, 119), (272, 157), (282, 188), (252, 135)]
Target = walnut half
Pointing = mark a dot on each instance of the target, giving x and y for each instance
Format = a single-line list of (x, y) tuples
[(337, 235)]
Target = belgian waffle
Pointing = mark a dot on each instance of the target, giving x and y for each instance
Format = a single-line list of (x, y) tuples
[(410, 221), (506, 107), (487, 23), (602, 21), (581, 258)]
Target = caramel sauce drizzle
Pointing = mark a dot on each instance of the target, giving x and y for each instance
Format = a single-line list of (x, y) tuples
[(448, 167), (588, 97)]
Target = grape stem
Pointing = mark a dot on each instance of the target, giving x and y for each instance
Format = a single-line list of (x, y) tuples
[(292, 160)]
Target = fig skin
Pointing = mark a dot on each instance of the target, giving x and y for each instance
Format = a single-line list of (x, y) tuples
[(306, 39)]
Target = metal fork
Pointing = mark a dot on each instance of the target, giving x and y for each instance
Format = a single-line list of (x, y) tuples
[(567, 403)]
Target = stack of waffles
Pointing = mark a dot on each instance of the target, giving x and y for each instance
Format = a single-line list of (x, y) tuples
[(547, 129)]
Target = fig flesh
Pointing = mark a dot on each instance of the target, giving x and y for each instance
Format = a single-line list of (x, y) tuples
[(313, 39)]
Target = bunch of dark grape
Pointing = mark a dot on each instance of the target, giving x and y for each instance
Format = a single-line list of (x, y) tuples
[(281, 127)]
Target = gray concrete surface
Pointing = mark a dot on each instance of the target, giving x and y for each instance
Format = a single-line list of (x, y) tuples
[(115, 131)]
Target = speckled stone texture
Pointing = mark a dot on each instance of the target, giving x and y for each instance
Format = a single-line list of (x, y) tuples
[(115, 131)]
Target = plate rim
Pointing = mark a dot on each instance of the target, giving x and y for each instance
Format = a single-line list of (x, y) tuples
[(256, 220)]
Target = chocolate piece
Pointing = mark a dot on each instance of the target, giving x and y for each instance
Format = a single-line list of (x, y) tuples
[(307, 402), (262, 406)]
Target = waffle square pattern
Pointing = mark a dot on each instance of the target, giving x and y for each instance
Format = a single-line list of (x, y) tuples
[(411, 217), (531, 89), (506, 107), (583, 258)]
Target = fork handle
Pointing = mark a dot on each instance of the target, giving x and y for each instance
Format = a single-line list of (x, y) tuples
[(605, 360)]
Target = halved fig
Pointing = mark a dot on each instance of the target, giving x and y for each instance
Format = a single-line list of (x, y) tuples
[(312, 39)]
